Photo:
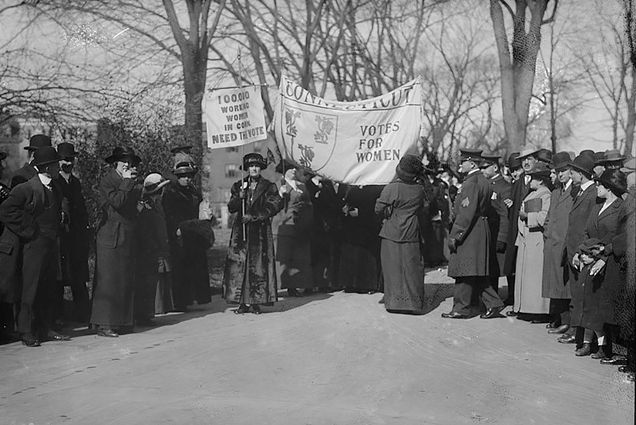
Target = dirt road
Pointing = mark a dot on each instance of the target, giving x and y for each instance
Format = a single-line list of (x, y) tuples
[(327, 359)]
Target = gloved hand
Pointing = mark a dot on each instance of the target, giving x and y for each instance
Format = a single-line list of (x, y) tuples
[(247, 218), (452, 245)]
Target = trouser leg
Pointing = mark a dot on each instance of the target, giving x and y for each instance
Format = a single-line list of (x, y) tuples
[(488, 294), (463, 295)]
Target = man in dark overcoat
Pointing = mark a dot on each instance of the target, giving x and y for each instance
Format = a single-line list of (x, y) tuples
[(32, 218), (119, 196), (249, 278), (469, 242), (74, 237), (27, 171), (520, 188), (582, 172), (556, 280), (497, 216)]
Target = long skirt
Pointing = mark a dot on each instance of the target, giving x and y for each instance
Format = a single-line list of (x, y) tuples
[(163, 298), (294, 262), (403, 273), (358, 269)]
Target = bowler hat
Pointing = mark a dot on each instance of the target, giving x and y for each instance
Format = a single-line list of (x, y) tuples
[(45, 155), (528, 150), (560, 160), (409, 168), (470, 155), (184, 168), (38, 141), (513, 161), (183, 148), (66, 150), (615, 180), (545, 156), (588, 152), (598, 157), (612, 155), (583, 163), (489, 159), (254, 158), (540, 171), (123, 153), (153, 183)]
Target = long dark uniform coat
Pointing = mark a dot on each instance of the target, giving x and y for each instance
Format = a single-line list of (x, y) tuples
[(250, 271), (498, 224), (32, 216), (470, 228), (556, 281), (74, 246), (116, 243), (520, 190), (596, 307), (191, 280), (292, 228)]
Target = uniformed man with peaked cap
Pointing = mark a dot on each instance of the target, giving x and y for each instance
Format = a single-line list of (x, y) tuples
[(469, 242)]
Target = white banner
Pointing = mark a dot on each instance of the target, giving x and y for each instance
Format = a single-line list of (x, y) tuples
[(357, 143), (234, 117)]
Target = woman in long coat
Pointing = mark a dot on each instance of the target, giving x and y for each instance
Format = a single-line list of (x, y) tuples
[(594, 308), (292, 228), (249, 278), (181, 199), (534, 209), (400, 204), (119, 195)]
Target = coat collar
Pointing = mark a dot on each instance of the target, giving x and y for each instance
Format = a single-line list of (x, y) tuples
[(586, 193), (614, 208)]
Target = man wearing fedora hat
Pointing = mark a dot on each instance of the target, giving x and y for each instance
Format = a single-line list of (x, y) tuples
[(556, 273), (32, 216), (582, 171), (250, 278), (27, 171), (469, 243), (529, 157), (119, 195), (74, 238)]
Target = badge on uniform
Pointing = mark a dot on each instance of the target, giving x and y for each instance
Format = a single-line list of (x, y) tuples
[(465, 202), (494, 196)]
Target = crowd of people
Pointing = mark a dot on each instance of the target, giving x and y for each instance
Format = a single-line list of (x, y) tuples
[(559, 228), (150, 244)]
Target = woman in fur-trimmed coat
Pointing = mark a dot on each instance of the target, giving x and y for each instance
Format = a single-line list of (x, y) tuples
[(250, 271)]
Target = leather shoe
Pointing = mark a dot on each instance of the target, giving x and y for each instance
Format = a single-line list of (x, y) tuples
[(107, 333), (559, 330), (625, 369), (454, 315), (511, 313), (601, 354), (585, 350), (552, 325), (30, 341), (256, 309), (539, 320), (492, 312), (242, 309), (616, 360), (567, 339), (55, 336)]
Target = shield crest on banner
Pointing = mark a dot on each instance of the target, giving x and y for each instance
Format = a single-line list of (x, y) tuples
[(313, 142)]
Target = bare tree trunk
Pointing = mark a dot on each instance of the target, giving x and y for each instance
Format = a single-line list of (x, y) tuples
[(630, 126), (518, 69)]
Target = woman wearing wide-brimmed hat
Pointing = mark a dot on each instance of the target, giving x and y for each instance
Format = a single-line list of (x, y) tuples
[(594, 304), (181, 199), (532, 214), (119, 195), (400, 205)]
